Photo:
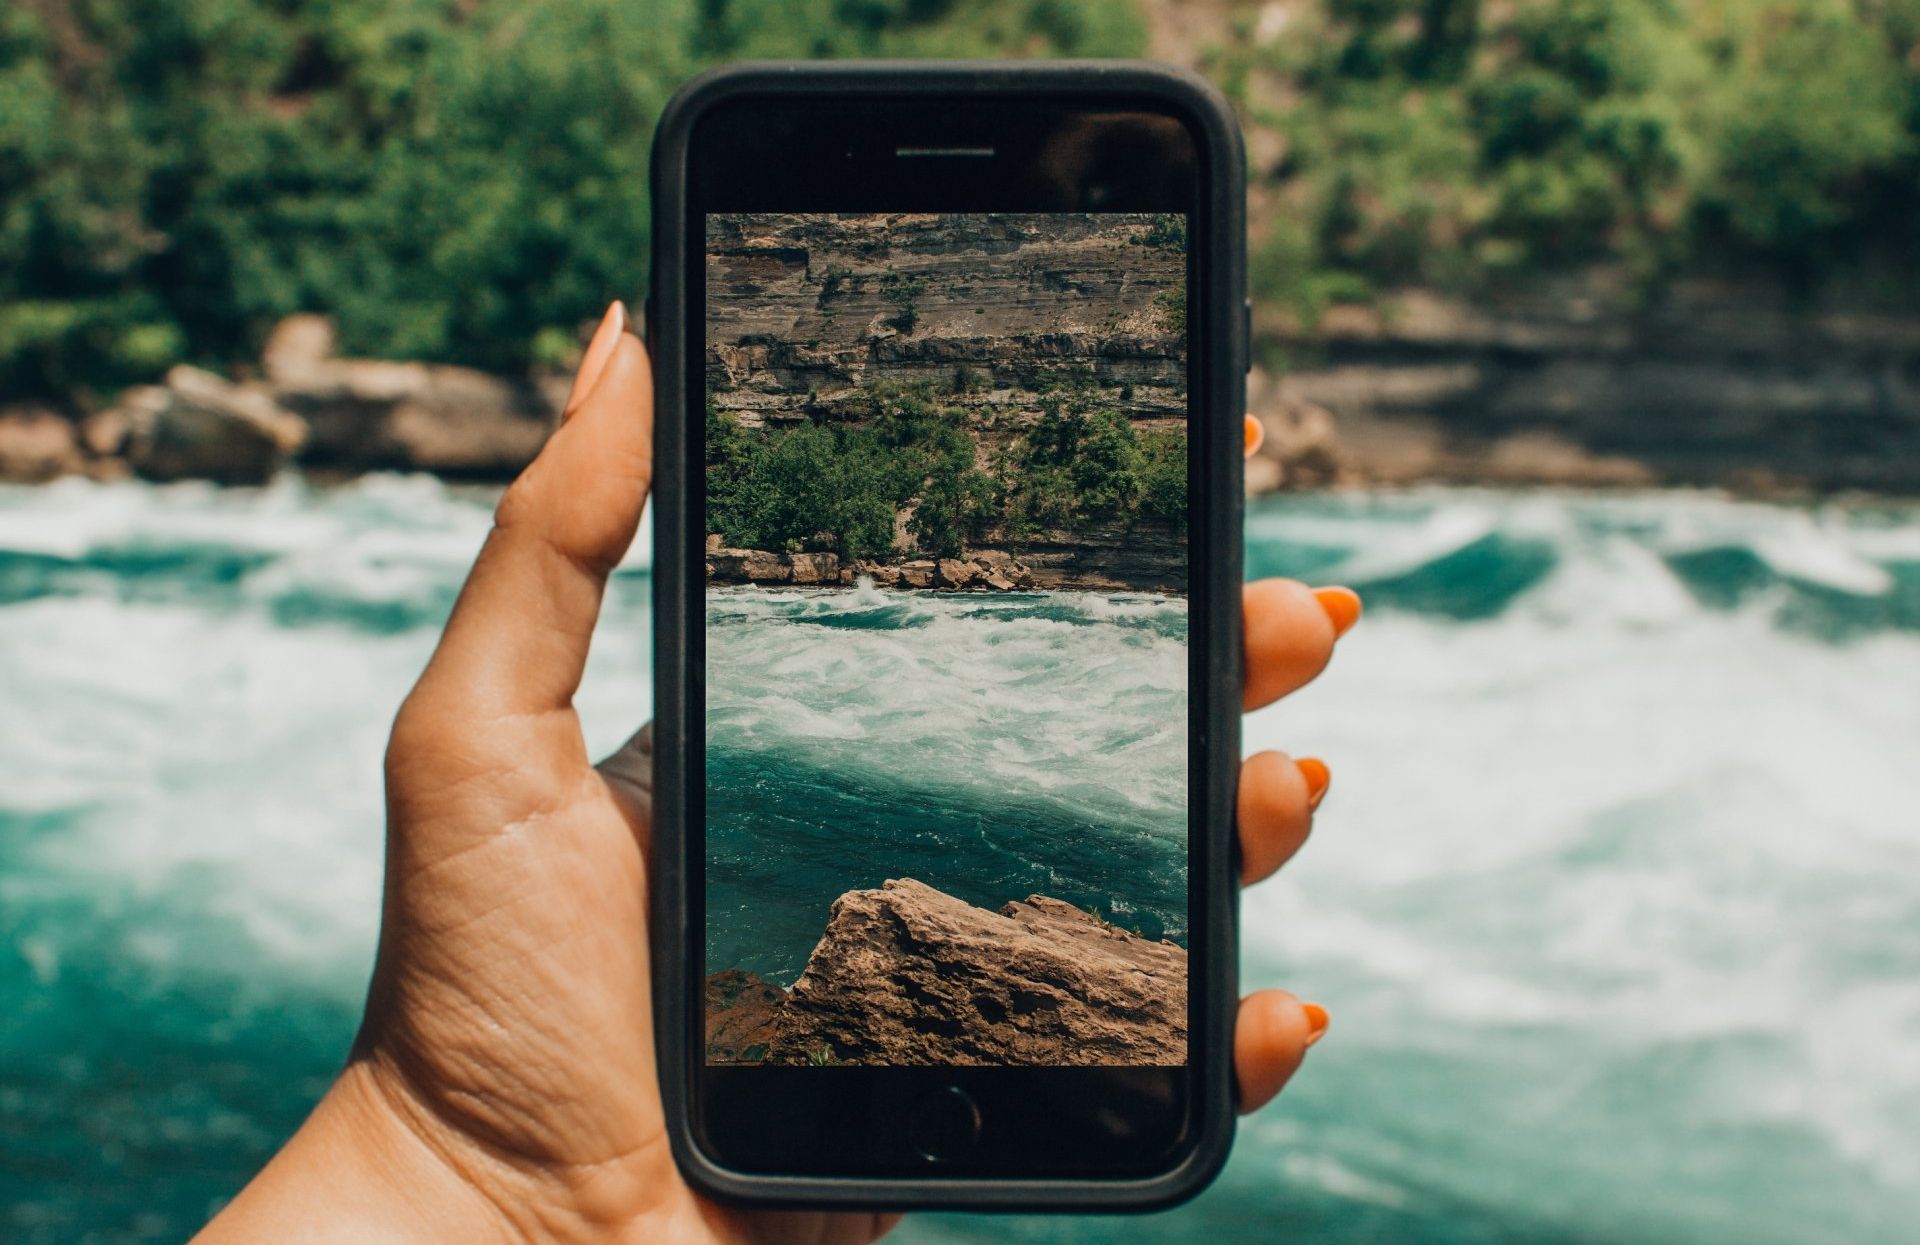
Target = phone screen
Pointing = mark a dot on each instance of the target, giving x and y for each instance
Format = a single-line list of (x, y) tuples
[(946, 638)]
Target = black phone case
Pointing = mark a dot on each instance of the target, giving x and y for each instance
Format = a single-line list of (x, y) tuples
[(1218, 403)]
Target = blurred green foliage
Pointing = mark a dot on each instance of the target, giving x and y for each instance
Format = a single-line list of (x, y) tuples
[(1465, 145), (464, 180), (459, 180)]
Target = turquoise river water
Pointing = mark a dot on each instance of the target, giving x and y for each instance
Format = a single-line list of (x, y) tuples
[(1615, 901)]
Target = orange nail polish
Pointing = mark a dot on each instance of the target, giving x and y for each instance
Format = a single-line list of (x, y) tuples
[(1318, 776), (1316, 1021), (599, 350), (1256, 433), (1342, 606)]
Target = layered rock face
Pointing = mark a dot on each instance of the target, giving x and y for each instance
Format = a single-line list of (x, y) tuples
[(824, 305), (1717, 384), (907, 974)]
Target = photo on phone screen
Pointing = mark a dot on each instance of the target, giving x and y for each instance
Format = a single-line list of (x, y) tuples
[(946, 672)]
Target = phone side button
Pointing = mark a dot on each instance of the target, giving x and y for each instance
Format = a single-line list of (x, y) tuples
[(944, 1126)]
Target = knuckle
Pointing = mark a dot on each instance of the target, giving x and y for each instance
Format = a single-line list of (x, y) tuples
[(520, 503), (418, 733)]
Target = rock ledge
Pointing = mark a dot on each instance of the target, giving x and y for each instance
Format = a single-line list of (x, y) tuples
[(908, 974)]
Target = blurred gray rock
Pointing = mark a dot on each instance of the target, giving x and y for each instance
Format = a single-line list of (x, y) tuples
[(199, 426), (104, 433), (36, 445), (372, 415)]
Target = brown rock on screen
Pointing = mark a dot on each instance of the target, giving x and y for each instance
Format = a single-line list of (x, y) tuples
[(907, 974)]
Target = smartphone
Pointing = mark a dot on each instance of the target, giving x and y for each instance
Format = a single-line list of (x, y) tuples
[(950, 363)]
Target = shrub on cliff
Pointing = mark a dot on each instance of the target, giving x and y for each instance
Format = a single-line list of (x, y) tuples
[(932, 465), (1081, 463), (842, 484), (785, 489), (956, 505), (1163, 475)]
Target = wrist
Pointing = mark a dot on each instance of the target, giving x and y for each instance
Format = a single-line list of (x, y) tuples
[(364, 1167)]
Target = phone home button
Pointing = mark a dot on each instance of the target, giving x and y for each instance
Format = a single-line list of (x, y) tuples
[(944, 1125)]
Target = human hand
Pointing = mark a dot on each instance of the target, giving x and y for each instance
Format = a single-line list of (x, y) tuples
[(503, 1086)]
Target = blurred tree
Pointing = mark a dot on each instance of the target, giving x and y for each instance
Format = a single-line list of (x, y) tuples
[(464, 180), (459, 180), (1465, 145), (1813, 105)]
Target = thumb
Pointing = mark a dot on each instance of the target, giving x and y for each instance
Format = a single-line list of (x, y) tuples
[(516, 642)]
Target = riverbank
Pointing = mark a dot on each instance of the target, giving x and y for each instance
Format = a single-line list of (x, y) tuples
[(301, 407), (1720, 387), (1720, 384), (1157, 567)]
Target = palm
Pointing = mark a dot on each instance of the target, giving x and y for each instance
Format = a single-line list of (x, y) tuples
[(513, 996)]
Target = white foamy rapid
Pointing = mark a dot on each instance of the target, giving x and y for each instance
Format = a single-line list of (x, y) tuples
[(1614, 899), (1075, 699), (197, 684)]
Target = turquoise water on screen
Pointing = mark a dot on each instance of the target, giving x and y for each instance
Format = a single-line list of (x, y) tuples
[(1615, 901)]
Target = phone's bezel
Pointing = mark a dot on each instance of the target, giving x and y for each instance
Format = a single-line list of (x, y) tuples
[(969, 102)]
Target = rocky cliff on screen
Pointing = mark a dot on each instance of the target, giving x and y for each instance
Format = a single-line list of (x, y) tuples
[(907, 974), (1019, 383)]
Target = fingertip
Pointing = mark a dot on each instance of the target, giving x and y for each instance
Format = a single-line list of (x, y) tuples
[(1256, 435), (1270, 1038), (1289, 638), (1274, 814), (1317, 1021), (608, 440), (626, 379), (599, 351)]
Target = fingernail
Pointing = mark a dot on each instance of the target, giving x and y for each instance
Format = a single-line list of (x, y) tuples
[(1316, 1021), (1315, 771), (1256, 433), (1342, 605), (599, 350)]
